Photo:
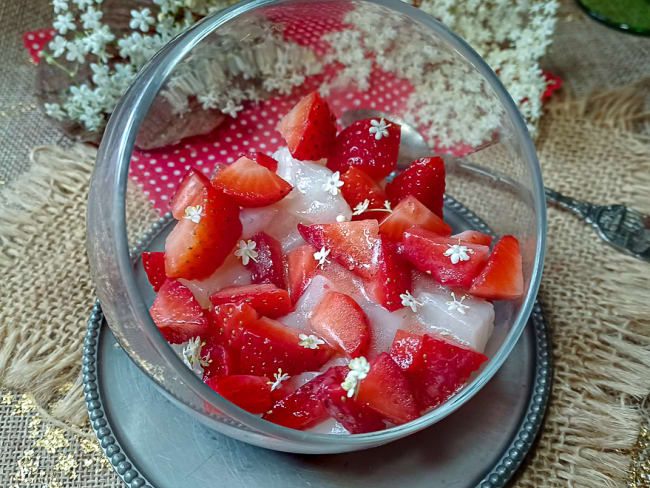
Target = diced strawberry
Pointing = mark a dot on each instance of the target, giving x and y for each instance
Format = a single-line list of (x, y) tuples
[(268, 266), (267, 299), (406, 351), (301, 267), (358, 187), (369, 147), (177, 314), (228, 323), (353, 244), (355, 417), (263, 159), (426, 251), (339, 320), (194, 250), (221, 361), (268, 345), (252, 393), (391, 279), (446, 367), (304, 407), (309, 128), (250, 184), (425, 180), (502, 277), (154, 265), (189, 192), (473, 237), (387, 391), (410, 212)]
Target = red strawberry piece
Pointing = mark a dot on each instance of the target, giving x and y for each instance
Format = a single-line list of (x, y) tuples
[(357, 146), (252, 393), (353, 244), (339, 320), (502, 277), (189, 192), (268, 345), (387, 391), (195, 250), (301, 267), (268, 266), (250, 184), (473, 237), (406, 351), (391, 279), (177, 314), (154, 266), (355, 417), (304, 407), (410, 212), (427, 251), (267, 299), (425, 180), (263, 159), (228, 322), (446, 367), (221, 361), (358, 187), (309, 128)]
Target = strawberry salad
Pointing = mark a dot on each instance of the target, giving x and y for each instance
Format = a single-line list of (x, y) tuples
[(304, 287)]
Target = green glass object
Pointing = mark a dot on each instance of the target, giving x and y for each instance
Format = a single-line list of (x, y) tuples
[(631, 16)]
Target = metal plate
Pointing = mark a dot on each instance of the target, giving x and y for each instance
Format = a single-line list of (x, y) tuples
[(152, 442)]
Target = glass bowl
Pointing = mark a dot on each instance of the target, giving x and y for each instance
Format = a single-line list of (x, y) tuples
[(380, 54)]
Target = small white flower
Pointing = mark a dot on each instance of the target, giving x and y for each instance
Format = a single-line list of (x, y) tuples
[(60, 6), (458, 253), (192, 355), (54, 110), (410, 301), (379, 128), (457, 305), (231, 108), (141, 19), (58, 46), (321, 256), (91, 18), (83, 4), (246, 251), (279, 378), (64, 23), (76, 52), (361, 207), (193, 213), (310, 341), (333, 184), (359, 369)]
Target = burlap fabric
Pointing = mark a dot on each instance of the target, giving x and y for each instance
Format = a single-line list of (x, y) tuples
[(596, 300)]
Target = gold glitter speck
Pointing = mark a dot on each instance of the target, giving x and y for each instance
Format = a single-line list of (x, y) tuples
[(7, 398), (52, 440), (90, 446), (25, 405), (65, 388), (68, 465), (54, 484), (34, 426)]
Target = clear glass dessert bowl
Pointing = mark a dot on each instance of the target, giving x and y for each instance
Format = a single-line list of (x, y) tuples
[(382, 55)]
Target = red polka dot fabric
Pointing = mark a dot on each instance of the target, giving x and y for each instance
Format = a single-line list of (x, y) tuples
[(36, 41)]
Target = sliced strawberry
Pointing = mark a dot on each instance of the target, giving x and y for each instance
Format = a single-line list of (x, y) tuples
[(502, 277), (268, 266), (355, 417), (387, 391), (154, 265), (301, 267), (228, 323), (189, 192), (426, 251), (177, 314), (359, 187), (195, 250), (410, 212), (374, 152), (353, 244), (263, 159), (309, 128), (339, 320), (304, 407), (446, 367), (473, 237), (252, 393), (425, 180), (406, 351), (221, 362), (268, 300), (391, 279), (250, 184), (268, 345)]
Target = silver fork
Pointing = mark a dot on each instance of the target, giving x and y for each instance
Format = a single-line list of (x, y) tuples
[(623, 227)]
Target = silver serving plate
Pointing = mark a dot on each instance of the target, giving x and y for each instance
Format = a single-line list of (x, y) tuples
[(151, 442)]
